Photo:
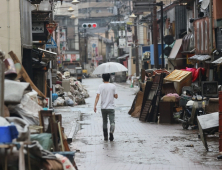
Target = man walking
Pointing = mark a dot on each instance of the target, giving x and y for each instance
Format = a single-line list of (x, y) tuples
[(107, 91)]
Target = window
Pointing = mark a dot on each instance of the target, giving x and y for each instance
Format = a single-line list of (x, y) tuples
[(83, 10), (71, 44), (110, 10), (64, 22), (70, 21), (98, 11)]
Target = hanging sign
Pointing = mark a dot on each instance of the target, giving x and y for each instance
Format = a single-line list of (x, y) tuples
[(115, 50), (122, 43), (51, 27), (38, 27)]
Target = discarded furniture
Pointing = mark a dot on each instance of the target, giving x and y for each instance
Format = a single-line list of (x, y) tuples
[(166, 110), (209, 88), (137, 104), (151, 99), (180, 79), (10, 146), (212, 106), (53, 125), (168, 88), (208, 124)]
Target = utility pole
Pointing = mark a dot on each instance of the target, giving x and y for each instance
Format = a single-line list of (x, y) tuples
[(156, 60), (118, 28), (161, 6), (137, 51), (141, 6), (80, 49), (85, 59)]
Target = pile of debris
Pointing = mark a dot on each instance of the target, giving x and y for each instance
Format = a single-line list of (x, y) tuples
[(29, 129), (70, 91)]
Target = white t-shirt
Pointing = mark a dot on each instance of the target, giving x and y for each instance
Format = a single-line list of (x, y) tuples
[(107, 91)]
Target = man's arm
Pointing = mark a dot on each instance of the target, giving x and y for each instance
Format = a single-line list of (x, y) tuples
[(96, 101), (116, 96)]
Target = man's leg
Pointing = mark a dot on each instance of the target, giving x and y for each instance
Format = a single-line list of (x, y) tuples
[(112, 123), (105, 129)]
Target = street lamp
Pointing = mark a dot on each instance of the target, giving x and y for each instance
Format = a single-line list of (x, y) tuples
[(70, 9), (74, 2), (73, 17), (133, 16)]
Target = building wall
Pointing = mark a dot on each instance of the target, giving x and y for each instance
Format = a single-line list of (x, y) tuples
[(10, 37)]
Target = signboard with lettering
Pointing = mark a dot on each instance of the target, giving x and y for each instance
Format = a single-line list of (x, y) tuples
[(51, 27)]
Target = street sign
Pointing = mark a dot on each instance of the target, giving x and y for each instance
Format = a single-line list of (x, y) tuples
[(51, 27), (93, 45), (52, 45), (143, 6)]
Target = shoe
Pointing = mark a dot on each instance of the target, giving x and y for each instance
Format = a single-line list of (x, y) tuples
[(111, 137), (105, 133)]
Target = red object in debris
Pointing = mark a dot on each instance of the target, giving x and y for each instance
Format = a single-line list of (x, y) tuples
[(220, 121), (160, 71), (195, 72)]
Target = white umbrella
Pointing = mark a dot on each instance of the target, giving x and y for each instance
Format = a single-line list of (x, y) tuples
[(109, 67)]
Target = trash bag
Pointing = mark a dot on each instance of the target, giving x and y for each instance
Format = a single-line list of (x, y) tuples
[(59, 102), (80, 100), (79, 85), (28, 110), (69, 102), (59, 75), (85, 93), (22, 127)]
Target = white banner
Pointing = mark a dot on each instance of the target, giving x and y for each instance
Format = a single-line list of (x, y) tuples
[(115, 50), (122, 33), (122, 43)]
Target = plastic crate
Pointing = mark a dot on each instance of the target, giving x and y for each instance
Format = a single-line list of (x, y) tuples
[(5, 134), (184, 99)]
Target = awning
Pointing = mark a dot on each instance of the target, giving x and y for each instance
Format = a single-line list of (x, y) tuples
[(218, 61), (175, 49), (47, 52), (48, 55), (123, 56), (200, 57)]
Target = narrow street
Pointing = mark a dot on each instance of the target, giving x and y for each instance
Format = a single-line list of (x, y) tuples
[(137, 145)]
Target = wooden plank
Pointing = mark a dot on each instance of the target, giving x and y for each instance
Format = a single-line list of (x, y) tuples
[(25, 75), (202, 135)]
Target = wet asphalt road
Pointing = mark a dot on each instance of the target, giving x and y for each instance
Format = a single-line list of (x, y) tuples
[(137, 145)]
